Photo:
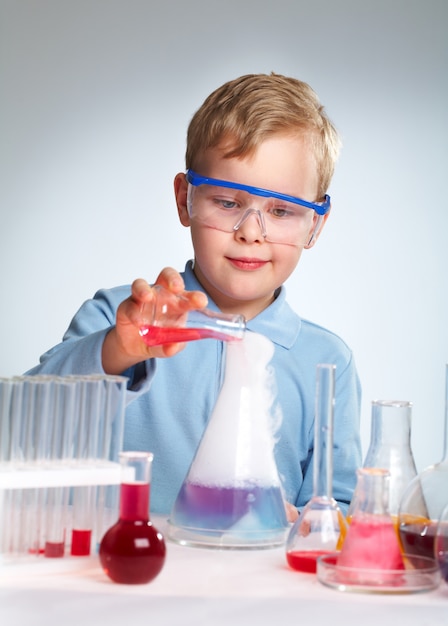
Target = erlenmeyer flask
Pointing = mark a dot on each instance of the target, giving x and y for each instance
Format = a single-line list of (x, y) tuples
[(424, 500), (133, 551), (167, 319), (321, 526), (390, 448), (371, 542), (231, 497)]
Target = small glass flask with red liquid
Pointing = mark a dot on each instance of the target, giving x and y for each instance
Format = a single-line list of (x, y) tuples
[(133, 551), (371, 544), (321, 526), (169, 319)]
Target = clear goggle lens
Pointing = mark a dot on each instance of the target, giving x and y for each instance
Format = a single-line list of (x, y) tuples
[(228, 208)]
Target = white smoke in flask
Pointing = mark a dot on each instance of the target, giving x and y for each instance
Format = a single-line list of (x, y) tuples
[(237, 447)]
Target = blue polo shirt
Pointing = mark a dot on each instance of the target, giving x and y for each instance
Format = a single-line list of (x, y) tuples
[(169, 401)]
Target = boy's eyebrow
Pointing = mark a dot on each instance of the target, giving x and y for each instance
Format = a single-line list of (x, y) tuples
[(320, 207)]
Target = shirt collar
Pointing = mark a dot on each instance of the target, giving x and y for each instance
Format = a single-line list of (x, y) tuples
[(278, 322)]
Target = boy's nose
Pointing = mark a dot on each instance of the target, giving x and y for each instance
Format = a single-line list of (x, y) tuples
[(260, 218)]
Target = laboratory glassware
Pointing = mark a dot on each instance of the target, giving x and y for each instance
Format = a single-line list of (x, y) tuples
[(320, 527), (371, 559), (133, 551), (371, 542), (167, 319), (423, 501), (441, 544), (390, 447), (232, 497)]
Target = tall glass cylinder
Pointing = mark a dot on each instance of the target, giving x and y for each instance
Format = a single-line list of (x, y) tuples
[(133, 551)]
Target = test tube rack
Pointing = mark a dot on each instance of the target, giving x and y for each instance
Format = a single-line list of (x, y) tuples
[(60, 438)]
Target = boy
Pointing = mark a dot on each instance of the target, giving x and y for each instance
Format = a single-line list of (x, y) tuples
[(255, 133)]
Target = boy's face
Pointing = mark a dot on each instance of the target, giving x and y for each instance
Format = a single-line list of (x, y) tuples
[(241, 270)]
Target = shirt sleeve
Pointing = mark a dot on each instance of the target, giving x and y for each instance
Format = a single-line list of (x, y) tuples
[(80, 350)]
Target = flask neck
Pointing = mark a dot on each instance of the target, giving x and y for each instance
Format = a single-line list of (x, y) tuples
[(134, 502), (391, 423), (445, 435), (323, 432), (135, 485), (372, 492)]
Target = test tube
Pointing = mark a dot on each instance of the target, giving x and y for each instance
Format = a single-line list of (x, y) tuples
[(86, 442), (110, 445), (61, 449)]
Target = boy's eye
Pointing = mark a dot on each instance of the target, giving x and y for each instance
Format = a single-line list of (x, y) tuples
[(226, 203), (281, 211)]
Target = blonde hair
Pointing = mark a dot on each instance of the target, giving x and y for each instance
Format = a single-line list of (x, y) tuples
[(244, 112)]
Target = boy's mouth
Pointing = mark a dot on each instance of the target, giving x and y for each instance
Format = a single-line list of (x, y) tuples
[(246, 263)]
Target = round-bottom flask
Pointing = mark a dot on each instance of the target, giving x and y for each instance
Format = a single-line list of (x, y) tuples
[(133, 551), (424, 500), (441, 544)]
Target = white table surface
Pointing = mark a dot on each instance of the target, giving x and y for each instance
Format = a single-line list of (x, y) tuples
[(200, 586)]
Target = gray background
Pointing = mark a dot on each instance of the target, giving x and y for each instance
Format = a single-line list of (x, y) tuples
[(95, 100)]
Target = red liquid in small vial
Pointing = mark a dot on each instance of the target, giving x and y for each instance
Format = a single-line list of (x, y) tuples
[(304, 560), (81, 540), (133, 551), (54, 549), (158, 335)]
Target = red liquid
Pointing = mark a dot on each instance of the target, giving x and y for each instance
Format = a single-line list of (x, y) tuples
[(304, 560), (418, 539), (54, 550), (133, 551), (371, 543), (81, 540), (158, 335)]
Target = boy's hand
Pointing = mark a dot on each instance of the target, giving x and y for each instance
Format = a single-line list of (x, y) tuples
[(123, 346)]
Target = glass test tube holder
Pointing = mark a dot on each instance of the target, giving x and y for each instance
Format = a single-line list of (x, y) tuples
[(54, 477)]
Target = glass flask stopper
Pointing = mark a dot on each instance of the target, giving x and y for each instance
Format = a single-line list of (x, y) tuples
[(232, 497), (133, 551), (168, 319), (424, 500), (321, 526)]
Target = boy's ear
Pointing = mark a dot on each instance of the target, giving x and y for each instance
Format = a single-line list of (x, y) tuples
[(318, 224), (180, 192)]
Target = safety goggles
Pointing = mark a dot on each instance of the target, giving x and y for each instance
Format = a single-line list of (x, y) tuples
[(226, 206)]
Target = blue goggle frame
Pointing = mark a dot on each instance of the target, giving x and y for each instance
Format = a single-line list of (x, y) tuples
[(321, 208)]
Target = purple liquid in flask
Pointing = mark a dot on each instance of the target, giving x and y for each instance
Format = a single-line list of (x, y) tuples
[(232, 494)]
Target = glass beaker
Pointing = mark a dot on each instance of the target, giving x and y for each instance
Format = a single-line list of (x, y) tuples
[(133, 551), (232, 497), (441, 544), (371, 542), (424, 500), (390, 448), (321, 526), (167, 319)]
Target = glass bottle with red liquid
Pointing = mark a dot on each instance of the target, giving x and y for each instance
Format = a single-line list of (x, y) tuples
[(424, 500), (321, 526), (169, 319), (133, 551)]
